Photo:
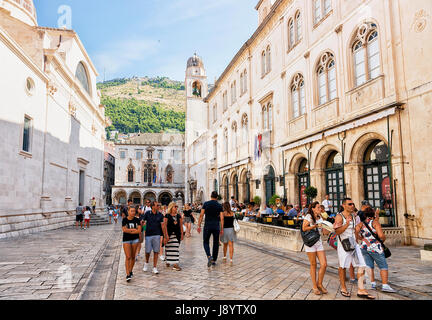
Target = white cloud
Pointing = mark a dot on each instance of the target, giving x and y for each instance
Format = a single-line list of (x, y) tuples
[(125, 53)]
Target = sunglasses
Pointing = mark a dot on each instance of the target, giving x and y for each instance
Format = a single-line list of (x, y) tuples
[(350, 204)]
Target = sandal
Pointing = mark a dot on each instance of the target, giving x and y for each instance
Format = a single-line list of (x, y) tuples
[(366, 296), (317, 292), (345, 294), (177, 268), (323, 290)]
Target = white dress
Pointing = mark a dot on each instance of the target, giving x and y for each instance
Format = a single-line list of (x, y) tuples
[(353, 257)]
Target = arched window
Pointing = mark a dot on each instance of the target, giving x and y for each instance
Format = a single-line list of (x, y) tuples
[(241, 83), (169, 174), (234, 136), (245, 128), (366, 54), (196, 89), (225, 101), (291, 39), (326, 76), (233, 92), (214, 112), (268, 60), (321, 9), (245, 88), (263, 63), (130, 174), (226, 140), (298, 24), (82, 76), (146, 176), (268, 116), (298, 98)]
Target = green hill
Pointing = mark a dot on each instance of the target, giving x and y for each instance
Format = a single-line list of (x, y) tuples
[(144, 104)]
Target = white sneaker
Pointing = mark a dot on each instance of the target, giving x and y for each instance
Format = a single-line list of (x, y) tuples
[(387, 288), (145, 269), (162, 258), (155, 271)]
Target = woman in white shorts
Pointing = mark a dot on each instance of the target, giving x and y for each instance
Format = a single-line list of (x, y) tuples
[(311, 221)]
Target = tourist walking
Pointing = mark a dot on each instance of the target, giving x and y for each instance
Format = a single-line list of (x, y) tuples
[(87, 214), (140, 215), (131, 230), (313, 221), (348, 250), (173, 235), (93, 203), (125, 209), (229, 236), (116, 214), (372, 236), (213, 226), (154, 225), (79, 215), (188, 219), (327, 205), (162, 244), (110, 213)]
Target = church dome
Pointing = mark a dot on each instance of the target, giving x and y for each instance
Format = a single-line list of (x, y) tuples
[(23, 10), (195, 61)]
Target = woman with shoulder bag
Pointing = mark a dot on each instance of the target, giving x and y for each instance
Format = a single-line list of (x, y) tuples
[(372, 248), (173, 231), (312, 221), (348, 250), (229, 236)]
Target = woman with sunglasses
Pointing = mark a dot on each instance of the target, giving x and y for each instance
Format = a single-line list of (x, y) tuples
[(173, 231)]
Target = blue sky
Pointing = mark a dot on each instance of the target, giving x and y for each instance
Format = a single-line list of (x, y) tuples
[(156, 37)]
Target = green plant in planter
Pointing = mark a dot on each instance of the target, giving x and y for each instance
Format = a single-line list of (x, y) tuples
[(383, 213), (428, 246), (311, 192), (257, 200), (272, 200)]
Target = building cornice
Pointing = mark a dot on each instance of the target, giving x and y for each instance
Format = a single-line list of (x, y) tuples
[(15, 48)]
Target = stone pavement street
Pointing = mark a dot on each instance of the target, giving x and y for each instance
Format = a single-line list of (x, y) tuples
[(89, 265)]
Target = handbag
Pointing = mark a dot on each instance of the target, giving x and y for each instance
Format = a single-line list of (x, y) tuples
[(333, 240), (236, 225), (310, 237), (387, 252)]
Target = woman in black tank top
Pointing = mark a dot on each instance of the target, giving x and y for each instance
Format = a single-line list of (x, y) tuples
[(229, 235)]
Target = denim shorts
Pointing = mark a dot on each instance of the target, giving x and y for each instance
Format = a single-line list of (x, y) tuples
[(132, 241), (378, 258), (152, 243)]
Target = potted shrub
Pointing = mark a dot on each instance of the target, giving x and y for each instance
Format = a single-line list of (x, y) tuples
[(257, 200), (311, 193), (272, 200)]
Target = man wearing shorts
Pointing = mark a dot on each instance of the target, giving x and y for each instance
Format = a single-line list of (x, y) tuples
[(79, 215), (153, 222)]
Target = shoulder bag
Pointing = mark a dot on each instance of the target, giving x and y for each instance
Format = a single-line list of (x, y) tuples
[(387, 252), (236, 225), (347, 243), (310, 237)]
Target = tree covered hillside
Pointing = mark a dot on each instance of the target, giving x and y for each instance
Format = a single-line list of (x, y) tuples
[(131, 115), (144, 104)]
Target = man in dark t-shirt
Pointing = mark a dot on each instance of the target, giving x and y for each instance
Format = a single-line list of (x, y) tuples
[(153, 222), (213, 225)]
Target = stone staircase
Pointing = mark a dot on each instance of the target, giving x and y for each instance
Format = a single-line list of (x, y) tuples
[(99, 219)]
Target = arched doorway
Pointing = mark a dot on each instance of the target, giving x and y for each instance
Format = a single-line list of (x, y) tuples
[(120, 197), (135, 197), (377, 186), (303, 181), (226, 189), (235, 183), (150, 196), (334, 180), (165, 198), (270, 183)]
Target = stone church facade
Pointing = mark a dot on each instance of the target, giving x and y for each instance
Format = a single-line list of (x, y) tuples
[(149, 166), (51, 122), (325, 93)]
